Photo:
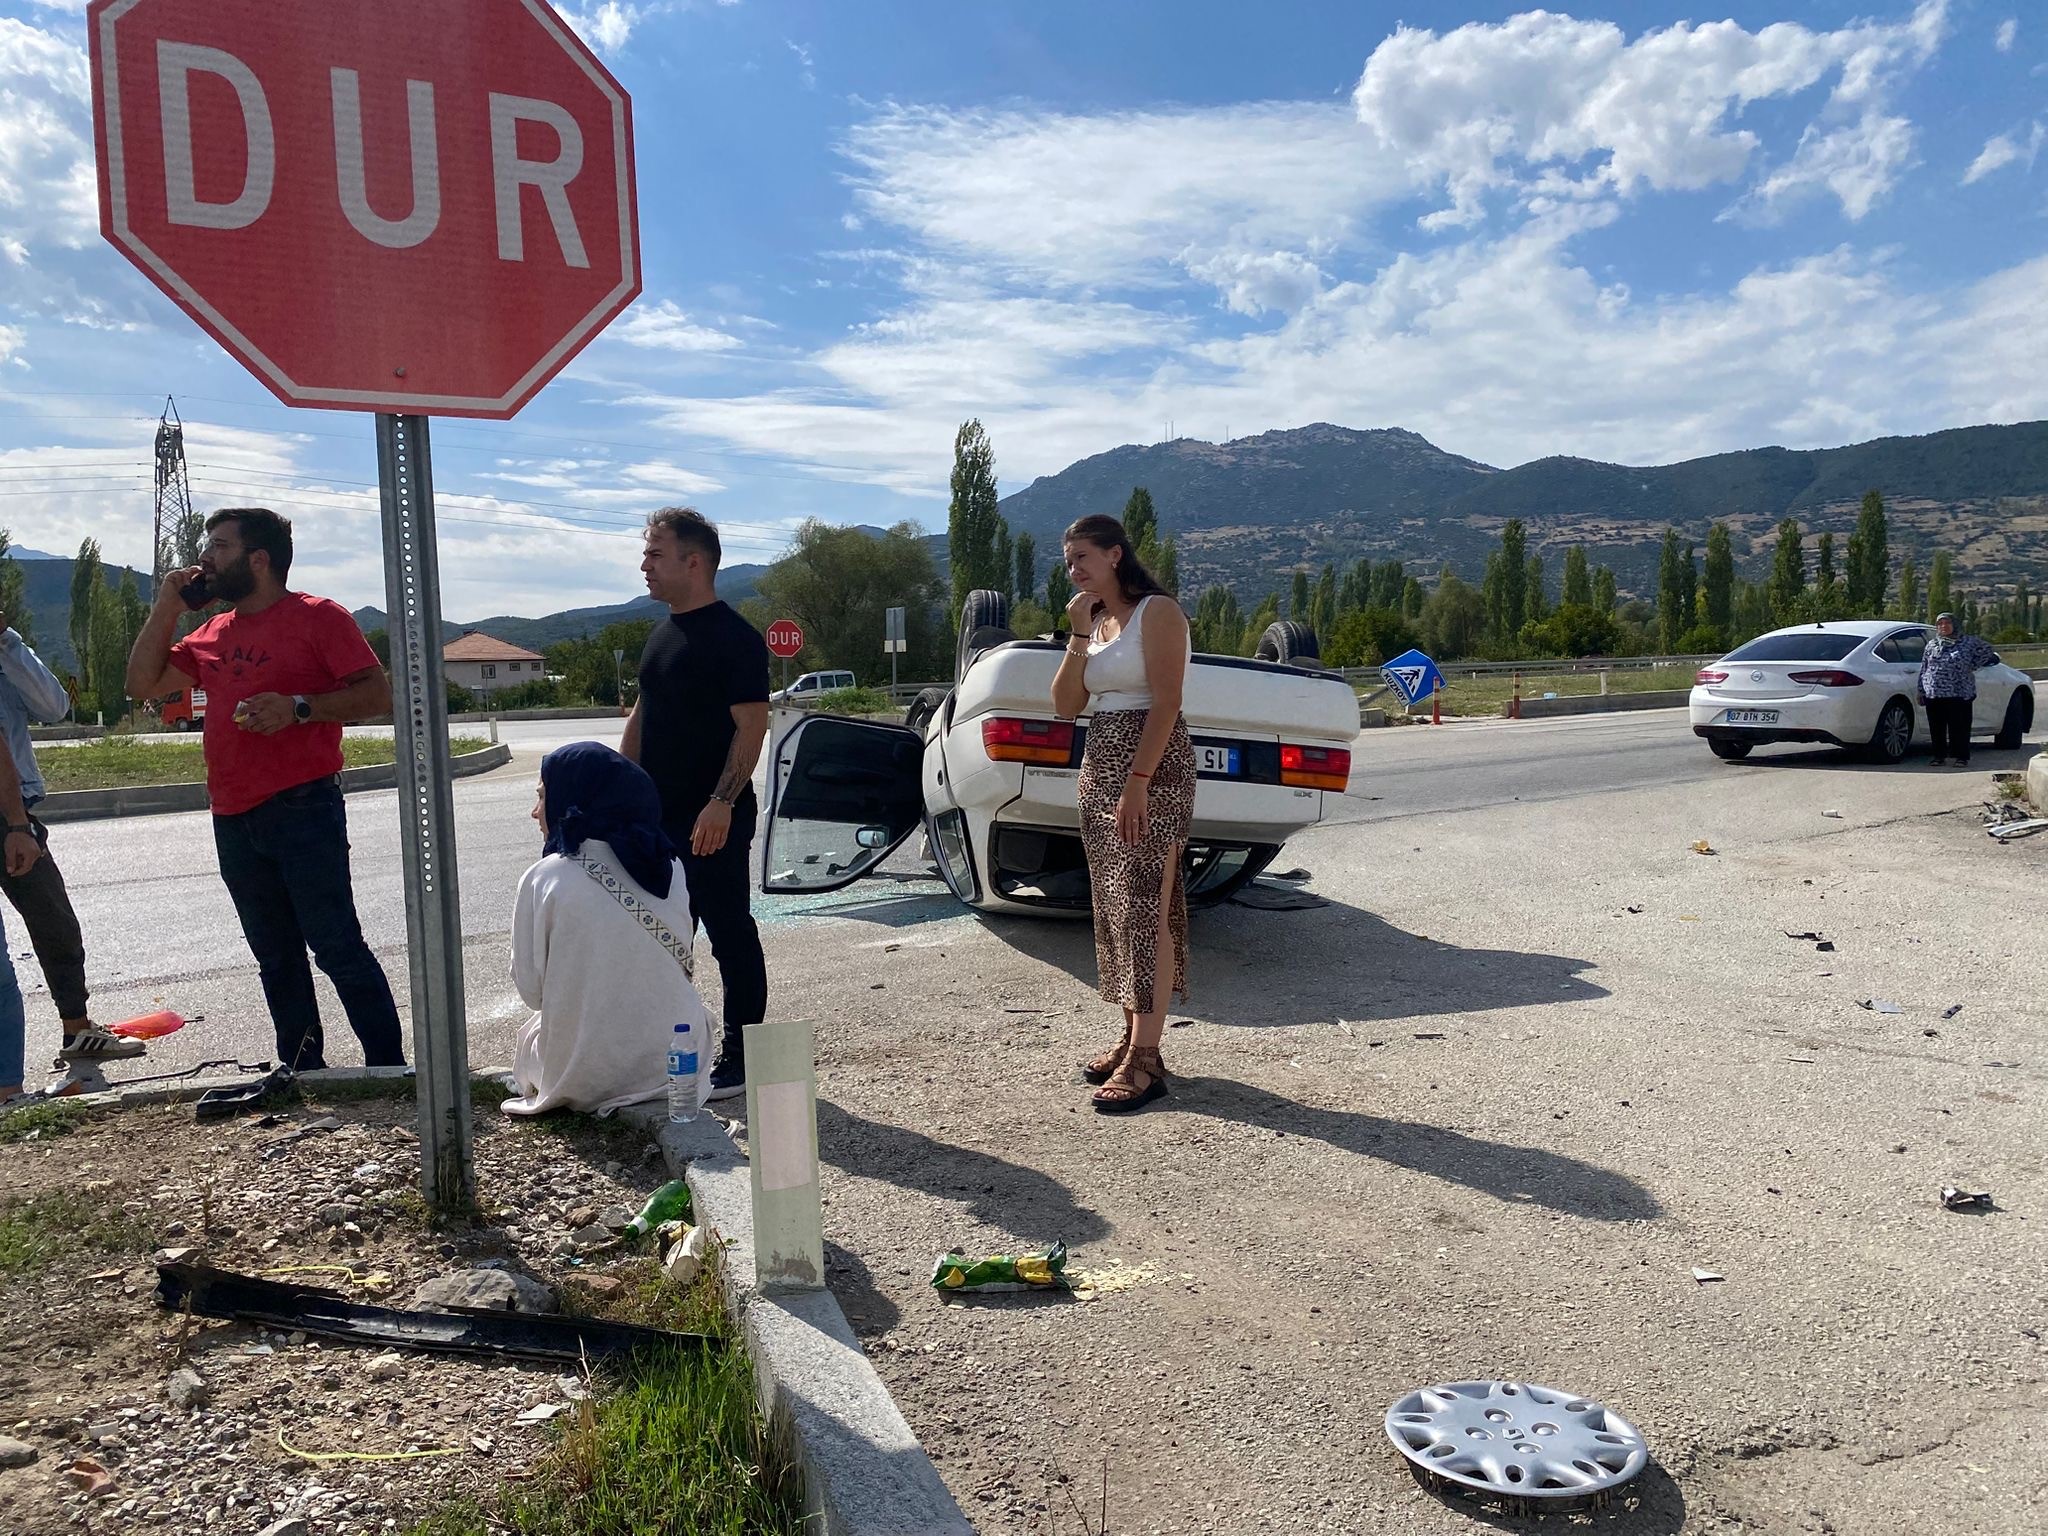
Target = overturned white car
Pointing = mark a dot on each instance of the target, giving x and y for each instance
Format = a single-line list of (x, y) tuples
[(989, 773)]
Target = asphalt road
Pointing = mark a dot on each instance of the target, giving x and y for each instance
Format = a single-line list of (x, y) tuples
[(1484, 1113)]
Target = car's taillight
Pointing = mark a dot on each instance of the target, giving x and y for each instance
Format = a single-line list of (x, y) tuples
[(1707, 676), (1316, 767), (1010, 740), (1829, 679)]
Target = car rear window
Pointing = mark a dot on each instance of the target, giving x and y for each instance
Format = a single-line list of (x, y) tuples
[(1802, 645)]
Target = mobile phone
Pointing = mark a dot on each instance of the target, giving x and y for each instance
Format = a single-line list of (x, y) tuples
[(197, 593)]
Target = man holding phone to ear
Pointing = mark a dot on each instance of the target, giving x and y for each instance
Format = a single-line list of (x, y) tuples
[(282, 672)]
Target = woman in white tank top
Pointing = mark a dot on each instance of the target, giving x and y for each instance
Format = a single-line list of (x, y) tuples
[(1125, 667)]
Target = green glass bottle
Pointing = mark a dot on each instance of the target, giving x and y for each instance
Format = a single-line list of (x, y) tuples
[(671, 1202)]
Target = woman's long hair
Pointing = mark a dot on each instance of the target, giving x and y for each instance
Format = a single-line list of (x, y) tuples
[(1105, 532)]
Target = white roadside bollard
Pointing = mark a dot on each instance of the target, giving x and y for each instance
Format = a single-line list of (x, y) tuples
[(782, 1135)]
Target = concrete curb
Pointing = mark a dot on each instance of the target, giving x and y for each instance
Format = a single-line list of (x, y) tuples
[(2037, 782), (157, 799), (864, 1472), (1604, 703)]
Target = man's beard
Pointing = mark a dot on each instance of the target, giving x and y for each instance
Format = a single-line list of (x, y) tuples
[(234, 582)]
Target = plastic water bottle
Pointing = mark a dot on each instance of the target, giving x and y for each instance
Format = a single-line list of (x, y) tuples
[(682, 1075)]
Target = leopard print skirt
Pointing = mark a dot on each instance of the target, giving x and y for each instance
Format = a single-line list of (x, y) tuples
[(1128, 882)]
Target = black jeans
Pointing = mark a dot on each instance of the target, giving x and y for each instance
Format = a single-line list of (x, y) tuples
[(285, 863), (45, 908), (721, 888), (1948, 723)]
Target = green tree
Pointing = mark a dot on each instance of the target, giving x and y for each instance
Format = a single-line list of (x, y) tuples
[(1671, 585), (1168, 567), (1412, 599), (1603, 589), (1493, 595), (1059, 590), (1389, 582), (586, 667), (1141, 524), (1752, 611), (1869, 558), (1830, 597), (1577, 591), (1536, 602), (1574, 629), (836, 583), (13, 589), (1939, 598), (1218, 624), (1454, 618), (1003, 566), (1689, 588), (1720, 578), (1368, 637), (1788, 573), (380, 645), (86, 582), (1255, 626), (1514, 576), (971, 516), (1909, 591), (1025, 587), (107, 643), (1298, 600), (1323, 606), (1354, 592)]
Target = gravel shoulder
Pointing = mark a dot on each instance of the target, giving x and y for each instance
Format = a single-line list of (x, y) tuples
[(1478, 1118)]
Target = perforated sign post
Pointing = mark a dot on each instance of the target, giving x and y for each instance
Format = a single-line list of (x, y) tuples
[(410, 207)]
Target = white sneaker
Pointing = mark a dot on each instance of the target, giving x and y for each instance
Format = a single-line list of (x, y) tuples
[(93, 1043)]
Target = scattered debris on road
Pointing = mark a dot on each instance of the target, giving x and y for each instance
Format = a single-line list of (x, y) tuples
[(1703, 846), (1832, 815), (1966, 1199), (1880, 1005), (1706, 1276), (1264, 896), (1042, 1271), (1950, 1012)]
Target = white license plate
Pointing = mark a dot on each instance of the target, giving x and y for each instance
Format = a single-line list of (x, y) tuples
[(1752, 717), (1223, 760)]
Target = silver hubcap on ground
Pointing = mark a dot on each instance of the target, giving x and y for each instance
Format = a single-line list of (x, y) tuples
[(1517, 1440)]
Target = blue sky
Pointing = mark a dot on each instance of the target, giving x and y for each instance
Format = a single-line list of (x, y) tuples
[(1636, 231)]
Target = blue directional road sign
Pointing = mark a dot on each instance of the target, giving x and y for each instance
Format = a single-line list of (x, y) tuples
[(1412, 675)]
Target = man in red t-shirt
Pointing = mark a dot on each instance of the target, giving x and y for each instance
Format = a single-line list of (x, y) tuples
[(282, 672)]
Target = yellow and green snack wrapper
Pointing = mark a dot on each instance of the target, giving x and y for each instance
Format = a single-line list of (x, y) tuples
[(1045, 1271)]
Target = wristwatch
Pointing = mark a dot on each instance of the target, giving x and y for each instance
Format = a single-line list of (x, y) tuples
[(302, 708)]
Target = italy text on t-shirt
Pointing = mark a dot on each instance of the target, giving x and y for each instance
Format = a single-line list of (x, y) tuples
[(696, 667), (299, 644)]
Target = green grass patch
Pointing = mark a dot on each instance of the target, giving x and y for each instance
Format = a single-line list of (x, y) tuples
[(56, 1118), (38, 1229), (673, 1442), (124, 762), (853, 701)]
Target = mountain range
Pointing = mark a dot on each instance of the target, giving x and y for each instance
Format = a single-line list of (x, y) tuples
[(1247, 513)]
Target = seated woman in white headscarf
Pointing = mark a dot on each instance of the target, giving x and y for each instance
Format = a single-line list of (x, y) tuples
[(601, 939)]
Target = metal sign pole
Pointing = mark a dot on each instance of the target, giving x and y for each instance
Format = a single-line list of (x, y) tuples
[(433, 918)]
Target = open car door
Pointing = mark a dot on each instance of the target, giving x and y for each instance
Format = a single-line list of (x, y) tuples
[(842, 796)]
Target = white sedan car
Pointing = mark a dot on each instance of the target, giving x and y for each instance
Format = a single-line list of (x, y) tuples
[(1854, 684), (988, 772)]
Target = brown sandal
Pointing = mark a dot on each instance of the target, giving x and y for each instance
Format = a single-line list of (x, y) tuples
[(1100, 1069), (1121, 1095)]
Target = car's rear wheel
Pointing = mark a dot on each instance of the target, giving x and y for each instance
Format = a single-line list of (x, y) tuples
[(1288, 640), (1729, 751), (2019, 719), (183, 724), (1894, 733), (984, 621)]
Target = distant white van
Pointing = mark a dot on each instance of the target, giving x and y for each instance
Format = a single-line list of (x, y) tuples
[(806, 689)]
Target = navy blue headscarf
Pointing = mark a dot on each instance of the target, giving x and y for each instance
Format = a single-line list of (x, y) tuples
[(591, 791)]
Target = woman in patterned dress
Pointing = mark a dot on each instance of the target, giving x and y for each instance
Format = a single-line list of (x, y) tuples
[(1948, 688), (1128, 651)]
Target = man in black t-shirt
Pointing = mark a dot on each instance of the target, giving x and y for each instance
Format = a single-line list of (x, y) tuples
[(697, 728)]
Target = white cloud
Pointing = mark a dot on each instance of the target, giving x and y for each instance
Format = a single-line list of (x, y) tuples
[(47, 187), (805, 72), (664, 327), (2002, 150), (1858, 163), (2008, 33), (1482, 108), (1072, 201), (1253, 285), (607, 26)]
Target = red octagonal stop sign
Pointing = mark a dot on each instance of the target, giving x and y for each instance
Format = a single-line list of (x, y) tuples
[(415, 206)]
